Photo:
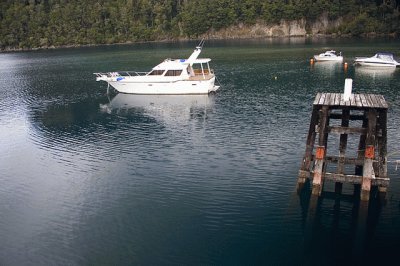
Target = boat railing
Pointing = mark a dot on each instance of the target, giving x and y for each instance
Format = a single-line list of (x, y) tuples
[(120, 73)]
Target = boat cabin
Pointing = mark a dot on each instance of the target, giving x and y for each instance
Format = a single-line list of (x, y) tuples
[(385, 56), (199, 68)]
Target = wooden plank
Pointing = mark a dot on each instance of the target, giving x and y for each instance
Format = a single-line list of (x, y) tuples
[(310, 140), (361, 147), (382, 144), (332, 100), (363, 100), (342, 178), (318, 177), (355, 179), (377, 101), (322, 99), (343, 140), (337, 98), (327, 99), (342, 103), (368, 99), (352, 117), (368, 169), (358, 100), (349, 161), (383, 101), (317, 97), (303, 175), (346, 130), (384, 182), (352, 100), (347, 103), (323, 126)]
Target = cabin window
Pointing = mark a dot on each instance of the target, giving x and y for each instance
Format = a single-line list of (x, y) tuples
[(173, 73), (156, 72)]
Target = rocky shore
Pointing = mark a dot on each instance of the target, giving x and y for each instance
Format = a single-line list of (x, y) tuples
[(322, 26)]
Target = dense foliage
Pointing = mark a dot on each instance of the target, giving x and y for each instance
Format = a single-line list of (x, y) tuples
[(44, 23)]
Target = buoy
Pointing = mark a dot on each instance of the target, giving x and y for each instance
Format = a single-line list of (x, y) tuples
[(312, 61), (276, 77), (345, 66)]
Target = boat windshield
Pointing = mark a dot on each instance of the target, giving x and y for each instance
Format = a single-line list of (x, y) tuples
[(173, 73), (388, 57), (156, 73)]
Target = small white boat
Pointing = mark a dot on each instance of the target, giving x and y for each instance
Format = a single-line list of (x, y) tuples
[(378, 60), (330, 55), (172, 76)]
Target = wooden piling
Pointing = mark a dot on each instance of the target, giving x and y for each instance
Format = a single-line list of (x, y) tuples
[(371, 160)]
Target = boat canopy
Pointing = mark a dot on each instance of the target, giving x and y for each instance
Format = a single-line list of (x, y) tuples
[(384, 55), (180, 63)]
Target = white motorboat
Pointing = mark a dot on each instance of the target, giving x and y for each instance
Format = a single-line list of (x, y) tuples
[(330, 55), (378, 60), (172, 76)]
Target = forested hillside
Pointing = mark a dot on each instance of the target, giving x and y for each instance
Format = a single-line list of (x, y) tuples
[(45, 23)]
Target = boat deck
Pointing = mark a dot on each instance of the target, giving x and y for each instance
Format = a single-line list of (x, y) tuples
[(356, 100), (200, 77)]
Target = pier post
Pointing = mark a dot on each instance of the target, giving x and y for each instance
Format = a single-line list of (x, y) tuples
[(371, 160), (320, 151), (304, 171), (368, 169)]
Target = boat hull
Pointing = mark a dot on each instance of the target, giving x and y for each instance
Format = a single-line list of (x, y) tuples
[(326, 58), (375, 64), (168, 88)]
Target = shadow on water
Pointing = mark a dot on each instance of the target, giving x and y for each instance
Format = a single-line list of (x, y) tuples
[(164, 108), (339, 229), (90, 114), (375, 73), (117, 123)]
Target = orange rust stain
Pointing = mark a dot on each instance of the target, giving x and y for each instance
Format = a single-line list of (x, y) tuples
[(320, 153), (370, 152)]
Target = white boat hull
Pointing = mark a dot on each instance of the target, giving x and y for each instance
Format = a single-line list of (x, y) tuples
[(326, 58), (374, 64), (174, 87)]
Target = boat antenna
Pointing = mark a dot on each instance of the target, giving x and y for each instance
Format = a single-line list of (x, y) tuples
[(200, 45)]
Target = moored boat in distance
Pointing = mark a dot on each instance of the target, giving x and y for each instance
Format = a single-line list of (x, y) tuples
[(330, 55), (173, 76), (378, 60)]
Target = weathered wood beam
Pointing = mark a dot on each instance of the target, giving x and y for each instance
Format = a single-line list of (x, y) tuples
[(346, 130), (369, 156)]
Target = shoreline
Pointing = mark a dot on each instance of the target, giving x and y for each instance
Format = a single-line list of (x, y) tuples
[(205, 36)]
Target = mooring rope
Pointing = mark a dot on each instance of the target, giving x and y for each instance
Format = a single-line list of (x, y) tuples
[(397, 162), (219, 83)]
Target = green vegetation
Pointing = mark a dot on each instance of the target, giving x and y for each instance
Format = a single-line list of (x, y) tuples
[(45, 23)]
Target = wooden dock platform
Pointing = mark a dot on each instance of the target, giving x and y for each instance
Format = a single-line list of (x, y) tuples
[(370, 164)]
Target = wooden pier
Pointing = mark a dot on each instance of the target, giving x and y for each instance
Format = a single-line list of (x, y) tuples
[(362, 114)]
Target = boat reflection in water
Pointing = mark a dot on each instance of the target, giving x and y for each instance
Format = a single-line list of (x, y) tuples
[(375, 72), (170, 109), (327, 68)]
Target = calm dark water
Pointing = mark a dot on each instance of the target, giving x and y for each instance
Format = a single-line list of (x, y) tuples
[(202, 180)]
